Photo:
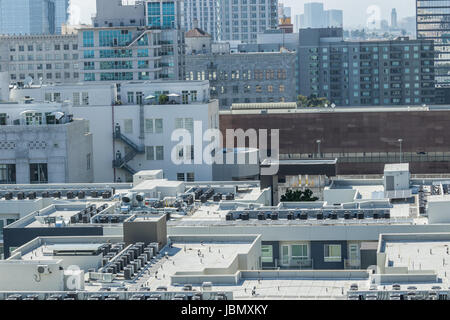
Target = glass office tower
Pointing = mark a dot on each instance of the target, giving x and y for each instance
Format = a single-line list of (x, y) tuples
[(32, 16), (433, 23)]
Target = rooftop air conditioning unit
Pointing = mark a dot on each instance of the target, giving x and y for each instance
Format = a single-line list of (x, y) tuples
[(43, 269)]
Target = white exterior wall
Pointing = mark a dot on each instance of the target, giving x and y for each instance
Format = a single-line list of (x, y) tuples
[(12, 276), (97, 94), (438, 209), (101, 117)]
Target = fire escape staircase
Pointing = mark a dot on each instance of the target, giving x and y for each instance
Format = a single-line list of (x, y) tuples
[(122, 162)]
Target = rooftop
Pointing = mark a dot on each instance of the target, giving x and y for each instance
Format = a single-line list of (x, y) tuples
[(197, 33)]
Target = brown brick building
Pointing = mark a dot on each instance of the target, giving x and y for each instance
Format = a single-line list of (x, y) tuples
[(362, 139)]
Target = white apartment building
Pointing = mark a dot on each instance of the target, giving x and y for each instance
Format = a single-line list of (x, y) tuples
[(135, 133)]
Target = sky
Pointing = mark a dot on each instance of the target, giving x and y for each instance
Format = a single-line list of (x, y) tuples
[(355, 11)]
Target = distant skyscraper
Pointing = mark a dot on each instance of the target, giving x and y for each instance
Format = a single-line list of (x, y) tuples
[(394, 24), (334, 18), (61, 14), (238, 20), (433, 23), (315, 16), (32, 16)]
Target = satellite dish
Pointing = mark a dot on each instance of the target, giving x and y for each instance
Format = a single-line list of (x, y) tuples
[(29, 81)]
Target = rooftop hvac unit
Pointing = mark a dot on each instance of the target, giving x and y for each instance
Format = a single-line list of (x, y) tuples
[(229, 217), (360, 215), (20, 196), (387, 215), (376, 215), (8, 196), (304, 216), (32, 195), (43, 269), (244, 216), (274, 216), (198, 192), (45, 194), (207, 286), (290, 216), (56, 194), (261, 216), (347, 216), (187, 287), (106, 195), (161, 288), (229, 196), (94, 194), (81, 194), (320, 216), (203, 198), (140, 197), (70, 195), (333, 216), (217, 197)]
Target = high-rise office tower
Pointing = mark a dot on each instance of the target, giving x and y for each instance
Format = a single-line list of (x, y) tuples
[(238, 20), (334, 18), (433, 23), (394, 24), (313, 16), (140, 41), (32, 16), (203, 15), (61, 14)]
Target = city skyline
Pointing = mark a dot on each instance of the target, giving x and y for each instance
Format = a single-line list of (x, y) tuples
[(355, 12)]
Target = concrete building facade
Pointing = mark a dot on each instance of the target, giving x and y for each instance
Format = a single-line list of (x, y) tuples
[(398, 72), (134, 125), (239, 20), (245, 77), (41, 58), (41, 143)]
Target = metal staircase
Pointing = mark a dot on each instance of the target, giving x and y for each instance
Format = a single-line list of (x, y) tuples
[(122, 163)]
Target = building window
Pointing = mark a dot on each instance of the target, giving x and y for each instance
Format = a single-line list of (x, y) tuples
[(85, 98), (88, 38), (190, 177), (332, 253), (149, 125), (7, 174), (38, 173), (158, 126), (180, 176), (130, 97), (185, 123), (266, 254), (150, 153), (160, 153)]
